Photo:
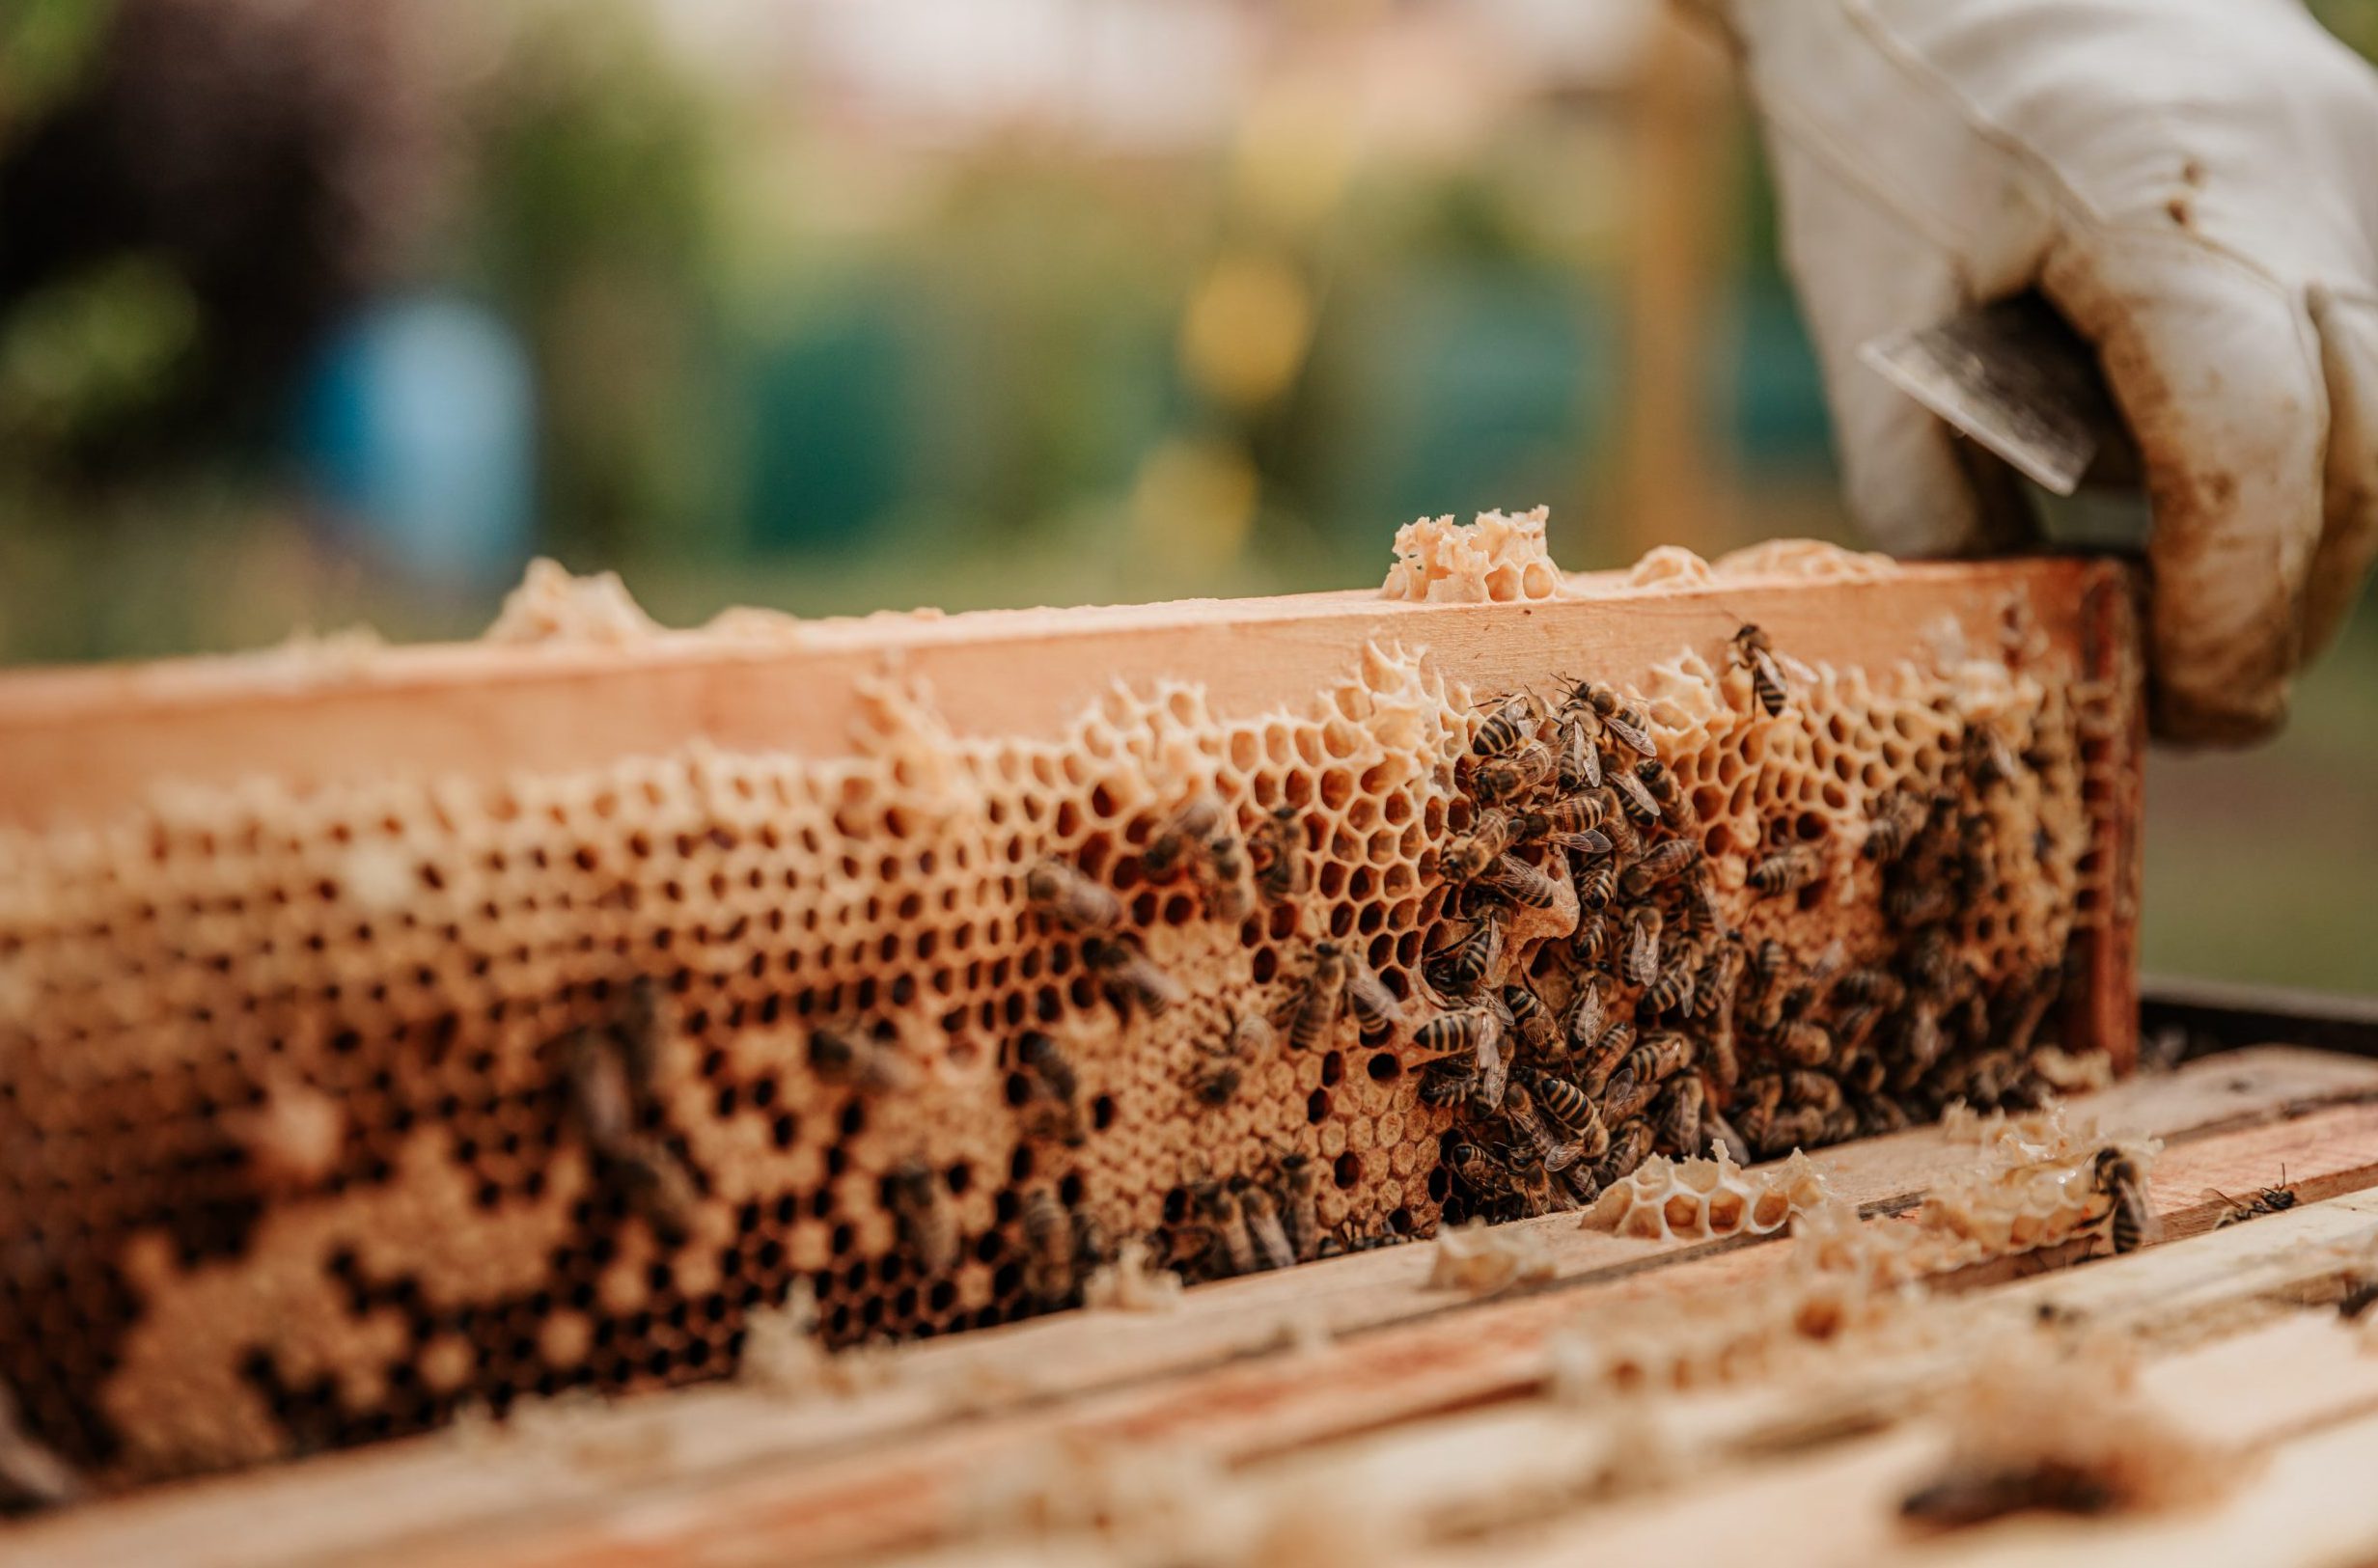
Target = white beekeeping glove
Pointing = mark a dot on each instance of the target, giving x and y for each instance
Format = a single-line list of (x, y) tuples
[(2194, 185)]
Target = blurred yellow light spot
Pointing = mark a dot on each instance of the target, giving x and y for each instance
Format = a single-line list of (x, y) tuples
[(1246, 330), (1296, 150), (1193, 504)]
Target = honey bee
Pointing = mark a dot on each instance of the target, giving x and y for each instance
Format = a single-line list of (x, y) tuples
[(1588, 1011), (1595, 1063), (1589, 943), (1676, 806), (1456, 1033), (1265, 1231), (1672, 992), (1540, 1035), (1230, 1249), (1922, 1040), (1052, 1113), (1375, 1006), (1896, 821), (1635, 797), (1852, 1027), (1626, 722), (1448, 1081), (1988, 758), (1492, 1078), (871, 1066), (1756, 654), (1919, 901), (1300, 1215), (1877, 986), (1801, 1086), (638, 1031), (2130, 1223), (1786, 870), (1656, 1058), (1590, 843), (1930, 964), (657, 1186), (1130, 976), (1803, 1043), (1049, 1249), (927, 1220), (1280, 866), (1188, 832), (31, 1474), (1661, 862), (1226, 896), (1519, 1111), (601, 1098), (1478, 1171), (2277, 1200), (1617, 821), (1572, 1110), (1512, 722), (1071, 898), (1966, 1498), (1523, 884), (1768, 967), (1043, 1057), (1704, 920), (1531, 1183), (1880, 1114), (1323, 997), (1630, 1146), (1643, 945), (1679, 1120), (1597, 885), (1581, 761), (1461, 969), (1714, 995), (1468, 857), (1507, 778), (1218, 1078), (1580, 813)]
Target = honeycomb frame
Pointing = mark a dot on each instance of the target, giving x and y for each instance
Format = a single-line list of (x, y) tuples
[(293, 956)]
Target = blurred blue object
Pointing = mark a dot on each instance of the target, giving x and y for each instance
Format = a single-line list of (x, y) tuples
[(416, 426)]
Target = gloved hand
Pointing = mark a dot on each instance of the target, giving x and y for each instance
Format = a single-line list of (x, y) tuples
[(2194, 183)]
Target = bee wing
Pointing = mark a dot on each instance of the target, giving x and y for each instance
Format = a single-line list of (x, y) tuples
[(1633, 736)]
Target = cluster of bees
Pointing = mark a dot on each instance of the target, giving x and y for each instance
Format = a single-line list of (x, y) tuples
[(1654, 1025), (1646, 1024)]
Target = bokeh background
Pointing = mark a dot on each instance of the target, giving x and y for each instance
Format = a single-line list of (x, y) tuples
[(314, 312)]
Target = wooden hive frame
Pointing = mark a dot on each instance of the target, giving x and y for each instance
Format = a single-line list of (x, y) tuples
[(105, 767)]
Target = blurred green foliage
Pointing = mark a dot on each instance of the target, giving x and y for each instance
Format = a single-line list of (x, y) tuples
[(82, 354), (783, 360)]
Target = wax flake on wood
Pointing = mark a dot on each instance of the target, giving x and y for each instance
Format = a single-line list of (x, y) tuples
[(1669, 1199), (553, 606), (1132, 1283), (1498, 558), (1480, 1259)]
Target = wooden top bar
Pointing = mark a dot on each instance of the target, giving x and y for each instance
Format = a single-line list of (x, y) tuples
[(78, 745)]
